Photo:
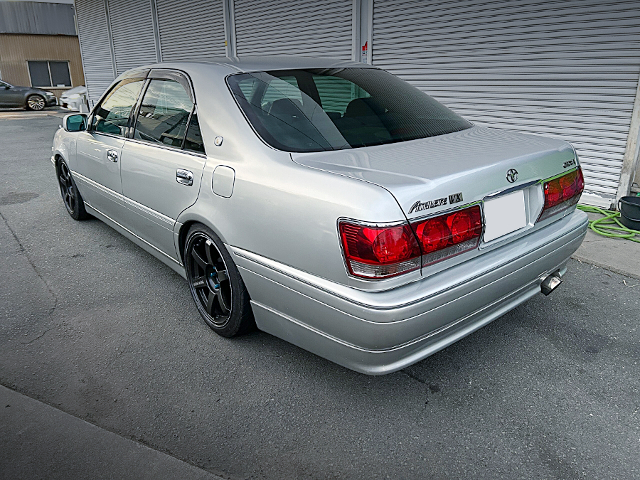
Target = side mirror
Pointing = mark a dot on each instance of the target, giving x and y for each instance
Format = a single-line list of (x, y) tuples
[(7, 87), (75, 122)]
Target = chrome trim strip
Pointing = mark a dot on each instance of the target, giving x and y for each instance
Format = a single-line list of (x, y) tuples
[(133, 234), (369, 224), (165, 147), (566, 172), (510, 190), (165, 221)]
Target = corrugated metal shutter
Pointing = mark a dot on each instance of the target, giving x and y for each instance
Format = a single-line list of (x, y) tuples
[(94, 46), (190, 30), (567, 69), (321, 28), (134, 41)]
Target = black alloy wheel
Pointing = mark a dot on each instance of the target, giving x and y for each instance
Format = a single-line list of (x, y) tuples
[(215, 283), (70, 195), (36, 102)]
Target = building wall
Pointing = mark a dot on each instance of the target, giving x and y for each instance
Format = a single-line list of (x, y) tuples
[(16, 50), (534, 66)]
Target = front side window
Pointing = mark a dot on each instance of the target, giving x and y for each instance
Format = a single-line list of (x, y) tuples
[(112, 115), (164, 113), (310, 110)]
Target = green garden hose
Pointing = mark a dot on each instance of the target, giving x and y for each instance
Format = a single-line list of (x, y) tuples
[(609, 225)]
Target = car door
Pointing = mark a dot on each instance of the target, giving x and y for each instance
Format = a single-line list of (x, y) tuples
[(11, 96), (162, 163), (97, 164)]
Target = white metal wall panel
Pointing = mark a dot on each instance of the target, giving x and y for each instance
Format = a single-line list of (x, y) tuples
[(567, 69), (94, 46), (320, 28), (190, 30), (132, 30)]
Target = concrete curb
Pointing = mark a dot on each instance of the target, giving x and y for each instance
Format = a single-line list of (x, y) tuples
[(614, 254), (603, 265)]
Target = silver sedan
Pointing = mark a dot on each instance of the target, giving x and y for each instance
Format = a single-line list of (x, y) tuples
[(328, 203)]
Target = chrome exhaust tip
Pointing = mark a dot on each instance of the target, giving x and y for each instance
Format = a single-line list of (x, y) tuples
[(550, 283)]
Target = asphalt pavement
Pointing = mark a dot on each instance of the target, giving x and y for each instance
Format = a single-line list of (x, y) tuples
[(107, 370)]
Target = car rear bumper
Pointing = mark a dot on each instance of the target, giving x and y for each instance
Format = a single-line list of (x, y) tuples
[(381, 332)]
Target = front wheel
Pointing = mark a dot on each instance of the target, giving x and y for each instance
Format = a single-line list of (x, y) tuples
[(36, 102), (215, 283), (70, 196)]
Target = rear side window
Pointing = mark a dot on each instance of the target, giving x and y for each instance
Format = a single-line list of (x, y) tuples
[(193, 141), (112, 115), (164, 113)]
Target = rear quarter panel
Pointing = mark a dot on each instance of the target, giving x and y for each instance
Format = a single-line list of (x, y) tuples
[(279, 209), (289, 213)]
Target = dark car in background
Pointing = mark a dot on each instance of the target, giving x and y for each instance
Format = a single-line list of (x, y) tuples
[(26, 97)]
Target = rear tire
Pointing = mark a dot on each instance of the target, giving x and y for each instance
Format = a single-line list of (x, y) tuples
[(215, 283), (36, 102)]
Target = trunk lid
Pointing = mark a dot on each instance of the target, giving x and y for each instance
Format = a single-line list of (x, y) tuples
[(433, 174)]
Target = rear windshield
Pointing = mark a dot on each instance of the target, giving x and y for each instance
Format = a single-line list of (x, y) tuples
[(311, 110)]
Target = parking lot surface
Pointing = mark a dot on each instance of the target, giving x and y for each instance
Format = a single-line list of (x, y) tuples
[(95, 327)]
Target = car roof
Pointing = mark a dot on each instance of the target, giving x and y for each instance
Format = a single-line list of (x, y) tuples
[(260, 63)]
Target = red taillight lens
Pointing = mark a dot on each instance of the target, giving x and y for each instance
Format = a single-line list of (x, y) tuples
[(433, 234), (379, 252), (449, 235), (463, 225), (562, 192)]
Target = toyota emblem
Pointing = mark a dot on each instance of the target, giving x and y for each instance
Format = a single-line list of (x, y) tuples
[(512, 175)]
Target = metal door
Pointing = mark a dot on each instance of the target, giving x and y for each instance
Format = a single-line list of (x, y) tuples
[(160, 171), (565, 69), (191, 29), (99, 149), (97, 171), (322, 28), (95, 41), (11, 96)]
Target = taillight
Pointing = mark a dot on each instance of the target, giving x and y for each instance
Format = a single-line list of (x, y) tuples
[(381, 252), (562, 192), (449, 235)]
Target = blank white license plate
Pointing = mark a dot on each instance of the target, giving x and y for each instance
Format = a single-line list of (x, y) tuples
[(504, 214)]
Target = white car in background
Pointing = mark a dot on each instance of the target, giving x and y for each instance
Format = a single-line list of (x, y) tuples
[(75, 99)]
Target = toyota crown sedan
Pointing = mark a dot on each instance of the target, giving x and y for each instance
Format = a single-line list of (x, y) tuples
[(328, 203)]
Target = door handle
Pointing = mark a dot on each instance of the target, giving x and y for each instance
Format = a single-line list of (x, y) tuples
[(112, 156), (185, 177)]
